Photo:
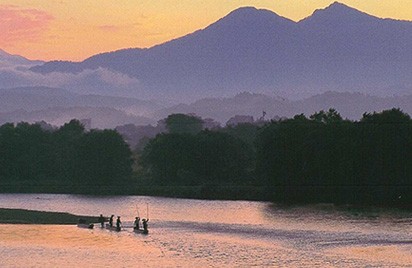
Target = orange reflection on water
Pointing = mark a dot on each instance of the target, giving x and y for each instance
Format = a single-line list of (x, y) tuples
[(58, 246), (398, 256)]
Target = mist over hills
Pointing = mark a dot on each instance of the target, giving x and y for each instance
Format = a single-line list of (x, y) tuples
[(100, 117), (58, 106), (35, 98), (335, 49), (338, 57), (9, 60), (349, 105)]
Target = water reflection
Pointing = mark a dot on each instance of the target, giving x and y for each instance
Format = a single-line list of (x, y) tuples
[(198, 233)]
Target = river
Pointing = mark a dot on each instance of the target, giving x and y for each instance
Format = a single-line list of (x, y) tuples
[(200, 233)]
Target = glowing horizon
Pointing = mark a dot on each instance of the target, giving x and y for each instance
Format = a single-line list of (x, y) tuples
[(75, 30)]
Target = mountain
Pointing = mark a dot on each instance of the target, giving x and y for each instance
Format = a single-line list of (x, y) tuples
[(349, 105), (57, 106), (40, 98), (100, 117), (352, 105), (221, 109), (337, 48), (9, 60)]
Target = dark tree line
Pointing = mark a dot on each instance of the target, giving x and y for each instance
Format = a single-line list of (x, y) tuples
[(321, 158), (69, 155), (195, 159), (188, 155), (327, 159)]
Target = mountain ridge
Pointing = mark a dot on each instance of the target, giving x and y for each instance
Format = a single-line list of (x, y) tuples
[(257, 50)]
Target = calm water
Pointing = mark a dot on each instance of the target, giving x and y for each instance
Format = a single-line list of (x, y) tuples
[(197, 233)]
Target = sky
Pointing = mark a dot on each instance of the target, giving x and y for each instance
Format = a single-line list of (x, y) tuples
[(77, 29)]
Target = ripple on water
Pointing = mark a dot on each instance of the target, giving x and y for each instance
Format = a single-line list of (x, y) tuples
[(197, 233)]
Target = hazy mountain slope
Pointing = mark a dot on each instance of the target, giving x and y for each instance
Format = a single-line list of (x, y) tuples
[(39, 98), (349, 105), (337, 48), (221, 109), (352, 105), (9, 60), (101, 117), (357, 51)]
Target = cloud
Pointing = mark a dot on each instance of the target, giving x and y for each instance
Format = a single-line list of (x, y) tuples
[(22, 24), (100, 81)]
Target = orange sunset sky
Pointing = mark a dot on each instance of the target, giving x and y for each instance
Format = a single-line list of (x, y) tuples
[(76, 29)]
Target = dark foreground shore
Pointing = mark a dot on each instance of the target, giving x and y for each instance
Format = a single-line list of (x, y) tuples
[(23, 216)]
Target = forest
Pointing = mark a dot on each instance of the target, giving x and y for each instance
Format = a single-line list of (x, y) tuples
[(68, 159), (322, 158)]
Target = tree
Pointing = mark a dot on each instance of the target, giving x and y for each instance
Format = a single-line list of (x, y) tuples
[(182, 123), (167, 156), (103, 158), (196, 159), (393, 116), (331, 116), (66, 144), (221, 157), (9, 155)]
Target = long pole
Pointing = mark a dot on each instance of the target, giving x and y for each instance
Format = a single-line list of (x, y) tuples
[(147, 210)]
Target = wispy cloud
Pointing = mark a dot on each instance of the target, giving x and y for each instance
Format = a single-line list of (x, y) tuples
[(99, 81), (22, 24)]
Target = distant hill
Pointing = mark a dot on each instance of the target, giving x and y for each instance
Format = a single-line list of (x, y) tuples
[(335, 49), (57, 106), (39, 98), (8, 60), (101, 117), (349, 105)]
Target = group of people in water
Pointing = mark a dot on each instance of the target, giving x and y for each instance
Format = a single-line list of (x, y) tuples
[(136, 225)]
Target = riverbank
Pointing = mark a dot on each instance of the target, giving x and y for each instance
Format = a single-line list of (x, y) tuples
[(201, 192), (24, 216), (209, 191)]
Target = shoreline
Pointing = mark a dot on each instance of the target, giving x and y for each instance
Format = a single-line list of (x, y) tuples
[(25, 216), (203, 192)]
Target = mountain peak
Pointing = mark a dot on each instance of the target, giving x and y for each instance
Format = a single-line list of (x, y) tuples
[(338, 5), (245, 9), (251, 15), (341, 9), (338, 13), (249, 11)]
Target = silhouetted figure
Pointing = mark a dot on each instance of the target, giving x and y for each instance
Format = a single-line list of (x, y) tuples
[(101, 220), (111, 221), (118, 223), (144, 221), (137, 223)]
